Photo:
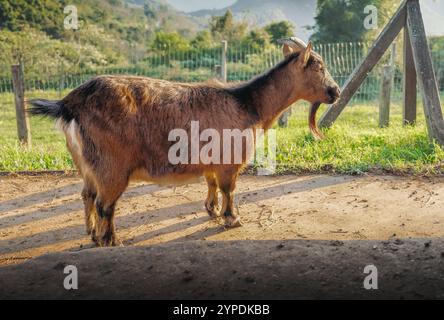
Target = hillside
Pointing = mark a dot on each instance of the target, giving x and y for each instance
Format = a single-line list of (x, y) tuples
[(125, 19), (165, 16), (111, 32), (302, 13), (262, 12)]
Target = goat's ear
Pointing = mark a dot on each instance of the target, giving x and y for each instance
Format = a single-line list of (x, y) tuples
[(306, 54), (287, 50)]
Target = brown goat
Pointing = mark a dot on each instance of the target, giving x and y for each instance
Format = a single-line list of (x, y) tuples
[(117, 129)]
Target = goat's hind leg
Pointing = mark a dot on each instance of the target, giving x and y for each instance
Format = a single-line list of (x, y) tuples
[(105, 230), (212, 201), (89, 195)]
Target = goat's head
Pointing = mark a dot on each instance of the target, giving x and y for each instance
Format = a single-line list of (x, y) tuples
[(316, 85)]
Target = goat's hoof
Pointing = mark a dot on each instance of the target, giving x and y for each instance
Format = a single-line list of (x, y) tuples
[(109, 239), (104, 243), (94, 237), (232, 222), (213, 212)]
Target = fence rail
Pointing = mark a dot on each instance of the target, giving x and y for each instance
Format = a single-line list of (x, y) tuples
[(243, 63)]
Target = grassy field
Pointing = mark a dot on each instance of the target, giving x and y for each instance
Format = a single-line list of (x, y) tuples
[(354, 145)]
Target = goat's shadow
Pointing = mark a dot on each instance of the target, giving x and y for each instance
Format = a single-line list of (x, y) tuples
[(60, 209)]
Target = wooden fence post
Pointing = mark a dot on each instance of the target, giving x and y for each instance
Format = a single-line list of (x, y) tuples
[(385, 94), (283, 120), (224, 70), (410, 96), (426, 76), (23, 131)]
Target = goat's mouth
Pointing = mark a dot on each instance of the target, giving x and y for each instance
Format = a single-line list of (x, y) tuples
[(317, 134), (332, 100)]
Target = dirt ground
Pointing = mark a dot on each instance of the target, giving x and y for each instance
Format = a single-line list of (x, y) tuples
[(303, 237), (40, 215)]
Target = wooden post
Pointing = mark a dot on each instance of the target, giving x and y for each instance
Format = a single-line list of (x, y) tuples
[(19, 92), (385, 94), (426, 76), (224, 70), (283, 120), (393, 56), (410, 96), (218, 71), (360, 73)]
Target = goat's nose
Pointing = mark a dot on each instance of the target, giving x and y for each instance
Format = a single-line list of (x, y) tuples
[(334, 92)]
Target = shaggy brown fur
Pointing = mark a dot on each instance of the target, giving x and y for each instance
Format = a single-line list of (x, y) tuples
[(117, 129)]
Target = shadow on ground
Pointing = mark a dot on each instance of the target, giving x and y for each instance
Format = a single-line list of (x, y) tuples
[(407, 269)]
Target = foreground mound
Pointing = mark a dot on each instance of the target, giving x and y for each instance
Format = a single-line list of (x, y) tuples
[(236, 270)]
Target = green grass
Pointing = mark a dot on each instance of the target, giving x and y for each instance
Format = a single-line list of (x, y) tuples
[(47, 150), (354, 145)]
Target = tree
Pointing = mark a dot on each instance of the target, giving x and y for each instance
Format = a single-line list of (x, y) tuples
[(203, 40), (280, 30), (164, 41), (257, 39), (343, 20), (225, 28)]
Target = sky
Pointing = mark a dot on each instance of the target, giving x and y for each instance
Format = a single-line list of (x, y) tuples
[(194, 5), (433, 11)]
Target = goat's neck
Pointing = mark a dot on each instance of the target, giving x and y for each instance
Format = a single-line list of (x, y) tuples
[(272, 94)]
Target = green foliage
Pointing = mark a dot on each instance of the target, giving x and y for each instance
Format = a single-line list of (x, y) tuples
[(437, 44), (114, 34), (44, 15), (257, 39), (226, 28), (280, 30), (110, 32), (173, 41), (343, 21), (42, 55), (203, 40), (340, 21)]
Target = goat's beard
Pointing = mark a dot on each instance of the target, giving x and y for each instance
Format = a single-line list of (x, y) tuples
[(317, 134)]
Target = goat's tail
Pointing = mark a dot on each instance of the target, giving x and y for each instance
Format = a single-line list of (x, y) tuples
[(45, 108)]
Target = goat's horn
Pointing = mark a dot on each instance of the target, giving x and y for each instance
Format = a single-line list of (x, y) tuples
[(293, 42)]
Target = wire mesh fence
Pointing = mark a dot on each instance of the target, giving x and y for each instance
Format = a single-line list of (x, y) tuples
[(243, 63)]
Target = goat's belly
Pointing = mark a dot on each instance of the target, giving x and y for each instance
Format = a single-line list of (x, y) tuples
[(170, 179)]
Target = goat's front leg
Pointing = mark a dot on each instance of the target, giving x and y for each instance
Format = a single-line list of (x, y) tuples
[(227, 185), (105, 232), (212, 202)]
